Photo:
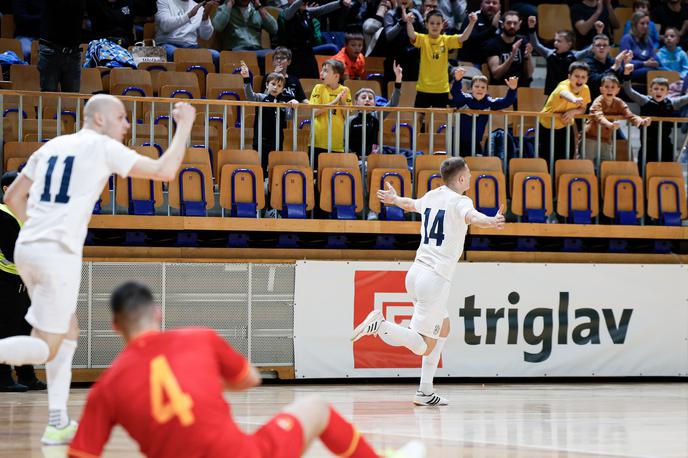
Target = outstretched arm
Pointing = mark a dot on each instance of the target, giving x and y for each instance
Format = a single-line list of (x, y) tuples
[(389, 197), (475, 218)]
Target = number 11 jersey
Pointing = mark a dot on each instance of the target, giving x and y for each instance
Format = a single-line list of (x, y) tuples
[(443, 229), (69, 174)]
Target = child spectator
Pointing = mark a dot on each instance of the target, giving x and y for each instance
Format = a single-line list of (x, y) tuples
[(351, 55), (601, 63), (281, 60), (397, 47), (655, 104), (433, 83), (271, 135), (670, 56), (637, 41), (559, 58), (365, 97), (477, 99), (643, 6), (607, 104), (330, 92), (568, 99)]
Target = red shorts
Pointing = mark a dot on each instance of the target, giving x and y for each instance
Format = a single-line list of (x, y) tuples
[(281, 437)]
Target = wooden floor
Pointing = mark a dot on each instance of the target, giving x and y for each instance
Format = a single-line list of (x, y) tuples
[(493, 420)]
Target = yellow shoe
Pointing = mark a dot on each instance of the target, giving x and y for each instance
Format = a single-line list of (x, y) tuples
[(59, 436)]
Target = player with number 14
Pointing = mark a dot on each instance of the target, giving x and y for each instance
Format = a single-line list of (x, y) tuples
[(445, 216)]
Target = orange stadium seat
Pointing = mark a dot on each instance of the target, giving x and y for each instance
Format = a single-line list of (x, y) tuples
[(139, 196), (178, 84), (488, 184), (531, 196), (291, 190), (551, 19), (342, 160), (235, 157), (426, 175), (341, 192), (192, 190), (276, 158), (242, 191), (196, 61), (666, 192), (524, 165), (576, 185)]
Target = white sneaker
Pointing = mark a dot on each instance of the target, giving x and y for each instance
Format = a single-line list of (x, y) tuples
[(422, 399), (412, 449), (59, 436), (369, 326)]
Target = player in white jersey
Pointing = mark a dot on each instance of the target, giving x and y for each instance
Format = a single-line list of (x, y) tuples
[(54, 195), (445, 216)]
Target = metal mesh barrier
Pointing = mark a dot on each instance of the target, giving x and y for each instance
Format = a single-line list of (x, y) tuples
[(250, 305)]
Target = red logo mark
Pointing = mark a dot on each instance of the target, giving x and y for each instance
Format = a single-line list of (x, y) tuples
[(386, 291)]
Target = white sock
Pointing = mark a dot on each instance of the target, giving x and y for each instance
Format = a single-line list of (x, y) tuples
[(21, 350), (430, 362), (398, 336), (59, 372)]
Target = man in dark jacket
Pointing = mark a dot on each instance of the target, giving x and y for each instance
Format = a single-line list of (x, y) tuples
[(15, 298)]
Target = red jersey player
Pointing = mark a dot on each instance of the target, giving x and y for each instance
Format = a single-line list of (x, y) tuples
[(166, 389)]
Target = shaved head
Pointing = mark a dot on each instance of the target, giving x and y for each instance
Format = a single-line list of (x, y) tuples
[(100, 103), (106, 115)]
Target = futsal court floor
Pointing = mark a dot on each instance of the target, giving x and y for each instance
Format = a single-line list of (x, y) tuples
[(493, 420)]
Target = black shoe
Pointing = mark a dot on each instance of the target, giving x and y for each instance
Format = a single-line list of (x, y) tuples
[(34, 385), (13, 388)]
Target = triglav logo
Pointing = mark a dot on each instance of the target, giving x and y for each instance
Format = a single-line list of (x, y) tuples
[(585, 325)]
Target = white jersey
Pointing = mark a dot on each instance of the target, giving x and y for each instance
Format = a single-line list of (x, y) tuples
[(443, 229), (69, 173)]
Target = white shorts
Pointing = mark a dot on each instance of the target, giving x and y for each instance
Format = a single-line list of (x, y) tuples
[(430, 293), (52, 276)]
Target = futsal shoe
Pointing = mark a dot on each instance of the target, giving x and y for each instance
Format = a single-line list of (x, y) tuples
[(412, 449), (422, 399), (59, 436), (369, 327), (13, 388), (34, 385)]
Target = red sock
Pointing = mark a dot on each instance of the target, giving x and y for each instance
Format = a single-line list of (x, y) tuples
[(343, 439)]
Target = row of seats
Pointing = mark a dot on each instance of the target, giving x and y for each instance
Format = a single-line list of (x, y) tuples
[(238, 176), (620, 185)]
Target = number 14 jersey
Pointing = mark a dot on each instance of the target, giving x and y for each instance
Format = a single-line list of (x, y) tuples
[(69, 174), (443, 229)]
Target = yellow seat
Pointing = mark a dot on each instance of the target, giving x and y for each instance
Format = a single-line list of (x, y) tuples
[(235, 157), (524, 165), (178, 84), (276, 158), (484, 163), (197, 187), (387, 161), (488, 190), (671, 75), (290, 178), (342, 160), (231, 60), (572, 166), (553, 18), (140, 188), (248, 189), (19, 150), (196, 61), (339, 189), (91, 83), (666, 192), (430, 164), (583, 196), (609, 168), (400, 178), (531, 194), (11, 44), (623, 198)]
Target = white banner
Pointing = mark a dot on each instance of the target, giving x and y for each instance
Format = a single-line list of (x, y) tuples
[(511, 320)]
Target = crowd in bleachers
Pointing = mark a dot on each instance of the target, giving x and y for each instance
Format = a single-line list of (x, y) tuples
[(599, 55)]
